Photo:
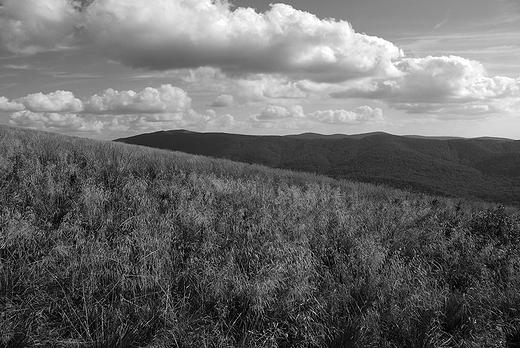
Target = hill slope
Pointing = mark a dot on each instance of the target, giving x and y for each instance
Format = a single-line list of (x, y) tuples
[(111, 245), (487, 169)]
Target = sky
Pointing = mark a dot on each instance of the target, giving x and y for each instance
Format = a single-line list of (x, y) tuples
[(107, 69)]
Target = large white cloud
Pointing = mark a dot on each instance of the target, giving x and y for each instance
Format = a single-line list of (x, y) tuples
[(187, 34), (274, 57), (59, 101), (441, 85), (29, 26), (159, 34), (149, 101)]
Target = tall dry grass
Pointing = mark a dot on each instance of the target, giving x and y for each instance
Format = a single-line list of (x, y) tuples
[(110, 245)]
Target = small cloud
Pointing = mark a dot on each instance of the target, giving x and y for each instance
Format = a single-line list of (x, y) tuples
[(222, 122), (222, 101), (9, 106), (266, 87), (65, 122), (19, 67), (276, 112), (165, 99), (362, 114)]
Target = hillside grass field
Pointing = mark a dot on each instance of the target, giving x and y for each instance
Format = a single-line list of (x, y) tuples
[(106, 244)]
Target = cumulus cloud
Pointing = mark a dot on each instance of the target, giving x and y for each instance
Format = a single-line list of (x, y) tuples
[(256, 88), (440, 85), (67, 122), (122, 123), (248, 57), (9, 106), (166, 107), (295, 117), (222, 101), (29, 26), (224, 121), (276, 112), (163, 100), (187, 34), (213, 121), (59, 101), (361, 114), (154, 122), (149, 101), (266, 87), (177, 34)]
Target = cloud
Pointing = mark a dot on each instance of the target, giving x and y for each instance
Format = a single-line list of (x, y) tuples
[(224, 100), (30, 26), (59, 101), (122, 123), (165, 99), (157, 101), (257, 88), (67, 122), (440, 85), (162, 100), (188, 34), (224, 122), (275, 57), (153, 122), (362, 114), (212, 121), (10, 106), (176, 34), (265, 88), (19, 67), (276, 112), (294, 116), (166, 107)]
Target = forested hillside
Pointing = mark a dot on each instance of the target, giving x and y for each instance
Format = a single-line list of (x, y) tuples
[(487, 169), (105, 244)]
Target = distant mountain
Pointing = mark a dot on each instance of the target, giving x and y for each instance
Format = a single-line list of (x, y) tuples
[(484, 168), (331, 136)]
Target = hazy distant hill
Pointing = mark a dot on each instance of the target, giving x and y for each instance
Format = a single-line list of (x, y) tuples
[(485, 168)]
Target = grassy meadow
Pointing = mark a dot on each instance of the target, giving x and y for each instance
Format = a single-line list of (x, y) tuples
[(105, 244)]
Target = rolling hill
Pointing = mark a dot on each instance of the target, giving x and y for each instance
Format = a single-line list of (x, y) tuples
[(105, 244), (482, 168)]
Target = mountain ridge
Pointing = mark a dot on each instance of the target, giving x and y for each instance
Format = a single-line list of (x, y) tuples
[(483, 168)]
